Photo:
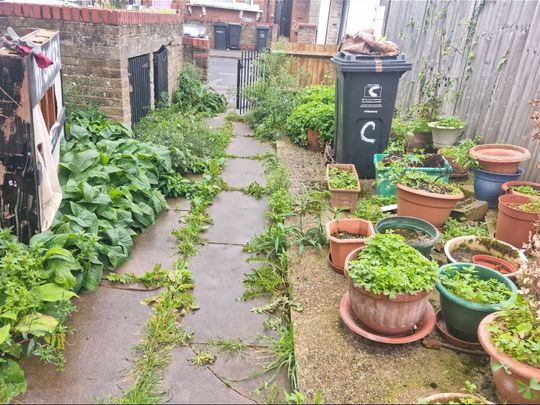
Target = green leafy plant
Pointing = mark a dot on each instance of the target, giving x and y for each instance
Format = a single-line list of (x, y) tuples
[(193, 95), (527, 190), (454, 228), (369, 208), (273, 97), (449, 123), (232, 346), (315, 110), (341, 179), (423, 181), (460, 153), (388, 265), (532, 207), (467, 284), (202, 358), (255, 190)]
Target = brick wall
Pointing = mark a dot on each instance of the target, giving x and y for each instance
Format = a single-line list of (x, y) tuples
[(96, 45), (299, 15), (248, 33), (218, 14), (196, 51), (307, 33)]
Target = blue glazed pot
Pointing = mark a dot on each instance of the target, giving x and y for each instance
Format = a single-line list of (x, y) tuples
[(487, 185)]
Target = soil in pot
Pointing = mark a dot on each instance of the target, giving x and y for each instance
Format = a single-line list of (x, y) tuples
[(410, 235), (432, 160), (349, 235)]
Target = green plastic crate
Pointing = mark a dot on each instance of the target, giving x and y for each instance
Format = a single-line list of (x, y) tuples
[(387, 189)]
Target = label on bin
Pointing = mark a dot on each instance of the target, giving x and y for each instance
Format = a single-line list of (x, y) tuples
[(372, 97)]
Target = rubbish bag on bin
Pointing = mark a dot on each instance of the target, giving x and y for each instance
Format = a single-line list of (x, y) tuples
[(364, 42)]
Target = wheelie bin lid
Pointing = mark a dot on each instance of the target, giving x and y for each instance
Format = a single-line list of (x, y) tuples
[(353, 62)]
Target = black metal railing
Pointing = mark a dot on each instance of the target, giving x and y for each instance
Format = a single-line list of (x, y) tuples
[(249, 70)]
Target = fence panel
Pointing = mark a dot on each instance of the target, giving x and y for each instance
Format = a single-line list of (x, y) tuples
[(314, 59), (490, 56)]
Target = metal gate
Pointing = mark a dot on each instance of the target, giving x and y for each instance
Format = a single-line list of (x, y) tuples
[(139, 83), (161, 74), (249, 70)]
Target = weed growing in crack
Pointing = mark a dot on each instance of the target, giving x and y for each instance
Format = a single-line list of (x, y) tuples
[(255, 190), (282, 354), (202, 358), (151, 279), (232, 346)]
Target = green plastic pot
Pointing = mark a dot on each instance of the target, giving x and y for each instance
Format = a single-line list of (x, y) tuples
[(416, 224), (461, 316)]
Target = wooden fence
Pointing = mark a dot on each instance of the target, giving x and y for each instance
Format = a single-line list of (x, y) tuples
[(313, 59), (489, 55)]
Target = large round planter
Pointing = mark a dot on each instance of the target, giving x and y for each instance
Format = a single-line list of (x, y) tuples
[(444, 137), (487, 185), (488, 246), (454, 398), (461, 316), (414, 224), (507, 380), (340, 248), (513, 225), (507, 187), (383, 315), (499, 158), (431, 207)]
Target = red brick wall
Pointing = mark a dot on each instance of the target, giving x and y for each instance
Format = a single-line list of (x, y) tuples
[(95, 47), (307, 33), (299, 15), (196, 52)]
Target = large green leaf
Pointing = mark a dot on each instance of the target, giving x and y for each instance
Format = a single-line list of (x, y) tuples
[(4, 333), (52, 292), (37, 324)]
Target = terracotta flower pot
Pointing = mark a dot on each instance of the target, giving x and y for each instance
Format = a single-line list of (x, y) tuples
[(420, 140), (508, 187), (507, 382), (499, 158), (454, 397), (431, 207), (380, 313), (513, 225), (502, 266), (313, 140), (342, 198), (340, 248)]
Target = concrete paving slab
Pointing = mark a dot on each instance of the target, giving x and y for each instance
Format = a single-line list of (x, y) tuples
[(187, 384), (109, 322), (240, 173), (237, 218), (156, 245), (242, 129), (218, 271), (215, 122), (243, 146)]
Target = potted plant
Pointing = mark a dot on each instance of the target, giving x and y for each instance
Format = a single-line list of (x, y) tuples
[(390, 166), (511, 337), (458, 157), (422, 196), (470, 396), (516, 218), (418, 233), (346, 235), (499, 158), (523, 188), (468, 293), (415, 132), (488, 185), (446, 131), (344, 185), (389, 283)]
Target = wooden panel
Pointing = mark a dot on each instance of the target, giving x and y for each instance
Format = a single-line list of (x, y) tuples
[(314, 60), (493, 63)]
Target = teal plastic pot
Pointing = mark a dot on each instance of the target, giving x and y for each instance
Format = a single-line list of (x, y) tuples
[(415, 224), (386, 188), (461, 316)]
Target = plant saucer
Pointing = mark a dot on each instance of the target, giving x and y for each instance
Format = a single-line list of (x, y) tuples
[(337, 269), (424, 327), (441, 328)]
